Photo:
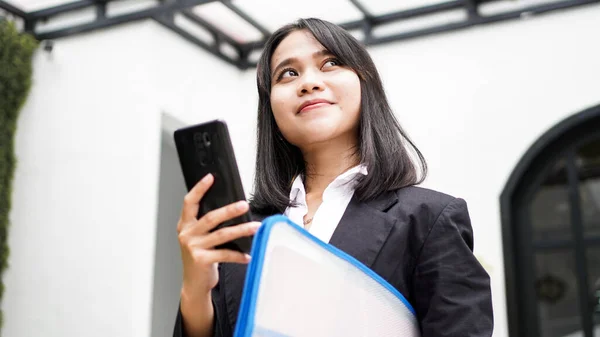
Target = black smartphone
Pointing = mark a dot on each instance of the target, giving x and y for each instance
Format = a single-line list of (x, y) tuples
[(206, 148)]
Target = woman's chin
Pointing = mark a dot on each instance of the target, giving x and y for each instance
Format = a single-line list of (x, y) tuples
[(320, 120), (319, 128), (319, 135)]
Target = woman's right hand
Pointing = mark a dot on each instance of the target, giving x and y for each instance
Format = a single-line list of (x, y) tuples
[(197, 242)]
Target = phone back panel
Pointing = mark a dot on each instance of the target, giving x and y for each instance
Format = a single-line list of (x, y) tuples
[(206, 148)]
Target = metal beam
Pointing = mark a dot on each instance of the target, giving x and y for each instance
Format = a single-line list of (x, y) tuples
[(121, 19), (61, 9), (581, 270), (406, 14), (553, 245), (13, 10), (365, 12), (217, 34), (473, 19), (367, 26), (266, 33), (397, 16), (480, 20), (472, 8), (164, 10), (536, 10), (213, 49), (419, 33), (101, 10)]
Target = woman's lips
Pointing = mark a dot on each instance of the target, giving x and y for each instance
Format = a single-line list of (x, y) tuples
[(314, 106)]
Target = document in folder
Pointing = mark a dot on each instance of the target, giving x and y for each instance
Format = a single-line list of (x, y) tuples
[(299, 286)]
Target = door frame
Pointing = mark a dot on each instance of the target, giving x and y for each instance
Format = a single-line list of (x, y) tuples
[(538, 157)]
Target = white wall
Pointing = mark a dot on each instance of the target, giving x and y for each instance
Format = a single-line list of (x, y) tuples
[(85, 190), (82, 189), (86, 186)]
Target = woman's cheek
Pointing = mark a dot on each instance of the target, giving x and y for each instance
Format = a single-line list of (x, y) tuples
[(277, 104)]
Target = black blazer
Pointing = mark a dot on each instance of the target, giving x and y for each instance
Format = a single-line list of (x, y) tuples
[(418, 240)]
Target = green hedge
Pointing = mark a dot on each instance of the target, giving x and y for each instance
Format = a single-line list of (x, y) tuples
[(16, 50)]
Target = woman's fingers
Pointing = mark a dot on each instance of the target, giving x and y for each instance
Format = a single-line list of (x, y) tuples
[(192, 199), (224, 256), (230, 233), (216, 217)]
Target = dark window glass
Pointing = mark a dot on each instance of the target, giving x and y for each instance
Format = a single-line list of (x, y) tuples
[(556, 293), (550, 208), (588, 167)]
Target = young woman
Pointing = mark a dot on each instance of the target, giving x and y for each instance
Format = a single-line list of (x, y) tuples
[(332, 157)]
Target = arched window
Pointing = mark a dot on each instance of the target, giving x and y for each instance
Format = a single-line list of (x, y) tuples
[(551, 233)]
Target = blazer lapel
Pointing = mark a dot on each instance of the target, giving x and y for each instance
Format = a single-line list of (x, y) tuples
[(364, 227)]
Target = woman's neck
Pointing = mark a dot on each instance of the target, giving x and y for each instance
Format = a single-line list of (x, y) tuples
[(325, 163)]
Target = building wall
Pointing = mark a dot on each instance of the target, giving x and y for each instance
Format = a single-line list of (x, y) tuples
[(86, 186), (85, 204), (475, 101)]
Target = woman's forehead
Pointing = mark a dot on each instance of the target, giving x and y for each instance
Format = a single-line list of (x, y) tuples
[(298, 44)]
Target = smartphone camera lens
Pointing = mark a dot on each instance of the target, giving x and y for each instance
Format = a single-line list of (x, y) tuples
[(202, 158), (199, 140), (206, 139)]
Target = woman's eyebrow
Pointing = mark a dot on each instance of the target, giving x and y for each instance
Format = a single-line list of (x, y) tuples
[(321, 53), (288, 61), (284, 63)]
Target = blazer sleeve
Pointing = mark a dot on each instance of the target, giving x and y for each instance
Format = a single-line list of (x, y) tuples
[(451, 289), (221, 327)]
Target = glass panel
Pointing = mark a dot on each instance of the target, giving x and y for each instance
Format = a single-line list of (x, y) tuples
[(557, 296), (498, 7), (380, 7), (228, 22), (593, 262), (34, 5), (550, 209), (336, 11), (68, 19), (123, 7), (588, 167), (420, 22)]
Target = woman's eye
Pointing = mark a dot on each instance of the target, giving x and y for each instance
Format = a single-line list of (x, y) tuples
[(331, 63), (288, 73)]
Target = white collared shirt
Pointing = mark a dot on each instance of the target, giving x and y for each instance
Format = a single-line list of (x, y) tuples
[(336, 198)]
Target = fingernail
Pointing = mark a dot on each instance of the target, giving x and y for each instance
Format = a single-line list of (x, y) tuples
[(241, 205), (207, 177), (248, 257), (255, 225)]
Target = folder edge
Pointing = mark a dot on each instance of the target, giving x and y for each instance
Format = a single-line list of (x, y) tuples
[(248, 304)]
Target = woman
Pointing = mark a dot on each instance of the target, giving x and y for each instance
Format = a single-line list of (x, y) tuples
[(332, 156)]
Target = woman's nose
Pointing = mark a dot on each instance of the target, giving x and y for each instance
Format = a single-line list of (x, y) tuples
[(310, 83)]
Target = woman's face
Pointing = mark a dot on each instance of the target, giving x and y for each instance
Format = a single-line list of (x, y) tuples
[(313, 98)]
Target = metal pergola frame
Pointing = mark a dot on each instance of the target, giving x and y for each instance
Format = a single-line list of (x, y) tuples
[(165, 11)]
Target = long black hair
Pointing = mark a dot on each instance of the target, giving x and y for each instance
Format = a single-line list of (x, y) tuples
[(382, 145)]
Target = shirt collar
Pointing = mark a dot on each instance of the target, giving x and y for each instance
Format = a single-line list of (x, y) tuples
[(298, 191)]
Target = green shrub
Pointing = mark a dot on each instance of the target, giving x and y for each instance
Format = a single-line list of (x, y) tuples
[(16, 50)]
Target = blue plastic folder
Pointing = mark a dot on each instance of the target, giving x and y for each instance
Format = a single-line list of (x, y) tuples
[(298, 286)]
